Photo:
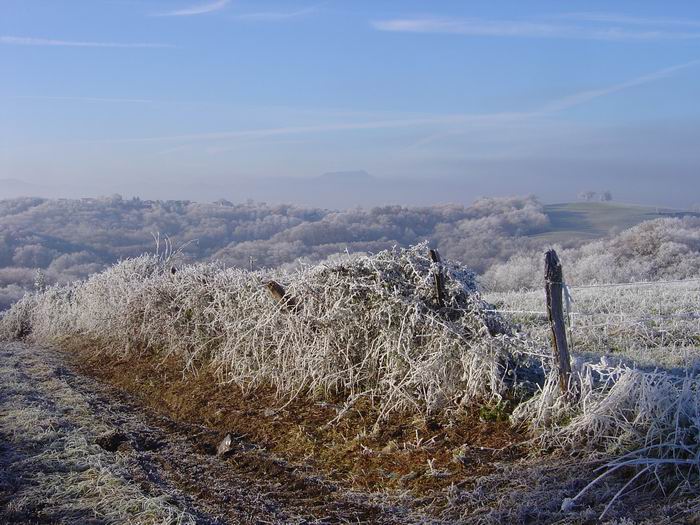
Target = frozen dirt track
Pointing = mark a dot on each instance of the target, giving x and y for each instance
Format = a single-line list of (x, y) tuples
[(75, 451)]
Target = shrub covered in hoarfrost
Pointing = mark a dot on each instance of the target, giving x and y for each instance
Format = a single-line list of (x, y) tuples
[(645, 422), (363, 326), (652, 250), (369, 326)]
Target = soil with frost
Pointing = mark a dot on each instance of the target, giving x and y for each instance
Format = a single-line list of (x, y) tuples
[(73, 450), (76, 450)]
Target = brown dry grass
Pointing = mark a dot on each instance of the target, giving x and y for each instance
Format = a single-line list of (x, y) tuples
[(404, 452)]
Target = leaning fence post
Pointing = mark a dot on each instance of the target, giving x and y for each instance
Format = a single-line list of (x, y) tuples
[(439, 278), (554, 284), (280, 295)]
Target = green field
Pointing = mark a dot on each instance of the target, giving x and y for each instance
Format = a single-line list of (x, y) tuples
[(581, 221)]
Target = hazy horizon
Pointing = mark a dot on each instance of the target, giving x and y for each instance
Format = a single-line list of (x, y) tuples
[(439, 102), (328, 193)]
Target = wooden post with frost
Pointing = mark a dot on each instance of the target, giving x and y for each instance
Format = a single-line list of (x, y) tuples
[(280, 295), (439, 278), (554, 286)]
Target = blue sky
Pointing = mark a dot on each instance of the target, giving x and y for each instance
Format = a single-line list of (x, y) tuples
[(506, 97)]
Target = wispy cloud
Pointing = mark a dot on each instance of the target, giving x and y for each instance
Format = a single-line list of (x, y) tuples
[(615, 18), (321, 128), (453, 120), (272, 16), (199, 9), (523, 29), (576, 99), (31, 41), (87, 99), (585, 96)]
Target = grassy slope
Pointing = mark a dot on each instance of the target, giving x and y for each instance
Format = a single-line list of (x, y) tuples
[(576, 221)]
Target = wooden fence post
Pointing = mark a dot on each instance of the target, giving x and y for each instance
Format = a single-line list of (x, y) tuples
[(554, 283), (280, 295), (439, 278)]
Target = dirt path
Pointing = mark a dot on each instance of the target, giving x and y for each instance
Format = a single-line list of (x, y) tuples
[(75, 451)]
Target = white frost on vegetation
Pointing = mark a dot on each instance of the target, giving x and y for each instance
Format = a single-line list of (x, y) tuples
[(637, 390), (646, 422), (661, 249), (367, 326), (70, 239), (51, 469), (370, 326)]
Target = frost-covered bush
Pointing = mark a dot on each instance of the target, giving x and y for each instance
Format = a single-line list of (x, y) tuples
[(616, 408), (636, 389), (364, 326), (653, 250), (16, 323), (371, 327), (645, 422)]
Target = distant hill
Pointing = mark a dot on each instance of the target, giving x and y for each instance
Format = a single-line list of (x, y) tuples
[(72, 238), (346, 177), (573, 222)]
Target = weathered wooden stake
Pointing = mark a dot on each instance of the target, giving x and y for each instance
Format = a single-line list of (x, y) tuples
[(439, 278), (280, 295), (554, 284)]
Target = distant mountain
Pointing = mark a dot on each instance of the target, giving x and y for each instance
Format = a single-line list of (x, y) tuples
[(348, 189), (347, 177)]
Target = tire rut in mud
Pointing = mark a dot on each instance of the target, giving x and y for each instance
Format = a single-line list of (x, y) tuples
[(178, 460)]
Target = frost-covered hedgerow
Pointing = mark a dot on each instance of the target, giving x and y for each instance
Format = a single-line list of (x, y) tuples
[(368, 326)]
